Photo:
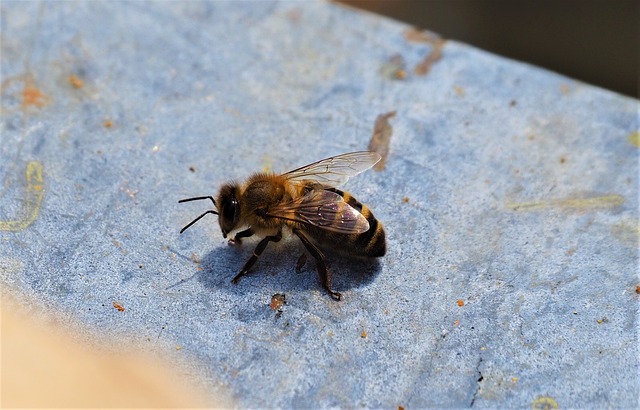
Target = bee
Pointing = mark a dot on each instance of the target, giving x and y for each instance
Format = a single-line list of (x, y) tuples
[(305, 202)]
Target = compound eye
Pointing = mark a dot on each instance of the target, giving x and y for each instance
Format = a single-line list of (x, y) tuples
[(230, 210)]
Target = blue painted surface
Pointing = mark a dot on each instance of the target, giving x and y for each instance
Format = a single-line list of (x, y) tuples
[(522, 190)]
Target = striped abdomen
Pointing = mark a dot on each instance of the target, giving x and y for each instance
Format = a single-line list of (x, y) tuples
[(371, 243)]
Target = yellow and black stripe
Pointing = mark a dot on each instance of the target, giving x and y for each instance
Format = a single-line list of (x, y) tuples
[(371, 243)]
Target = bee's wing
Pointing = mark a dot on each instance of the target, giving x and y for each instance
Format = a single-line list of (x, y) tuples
[(323, 209), (336, 170)]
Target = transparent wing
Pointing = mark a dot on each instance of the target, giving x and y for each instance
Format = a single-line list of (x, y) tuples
[(322, 209), (336, 170)]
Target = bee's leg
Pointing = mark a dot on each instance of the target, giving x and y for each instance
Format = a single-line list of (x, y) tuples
[(256, 253), (301, 261), (237, 240), (325, 276)]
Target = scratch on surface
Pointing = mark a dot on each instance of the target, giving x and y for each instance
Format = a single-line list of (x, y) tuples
[(478, 383), (606, 201), (33, 202), (422, 36), (381, 137)]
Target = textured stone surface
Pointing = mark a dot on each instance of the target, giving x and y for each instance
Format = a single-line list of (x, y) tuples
[(509, 196)]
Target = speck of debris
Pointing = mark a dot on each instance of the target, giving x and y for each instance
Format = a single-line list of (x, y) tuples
[(405, 199), (512, 103), (460, 302), (118, 306), (363, 334), (394, 68), (75, 81), (192, 168), (277, 301), (107, 123), (638, 289)]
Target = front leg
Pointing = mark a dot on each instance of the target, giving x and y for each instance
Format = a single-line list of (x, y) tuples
[(237, 240), (256, 253)]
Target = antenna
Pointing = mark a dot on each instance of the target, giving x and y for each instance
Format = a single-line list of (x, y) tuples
[(198, 198)]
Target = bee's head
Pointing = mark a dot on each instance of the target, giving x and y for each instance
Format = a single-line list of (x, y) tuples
[(228, 208)]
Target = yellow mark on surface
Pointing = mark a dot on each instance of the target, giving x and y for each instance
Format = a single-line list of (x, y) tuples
[(35, 192), (606, 201), (266, 168), (544, 403), (381, 137), (634, 138)]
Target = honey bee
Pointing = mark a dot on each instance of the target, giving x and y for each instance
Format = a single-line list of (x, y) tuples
[(306, 202)]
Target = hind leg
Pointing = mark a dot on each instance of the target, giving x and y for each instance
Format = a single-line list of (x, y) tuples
[(325, 276)]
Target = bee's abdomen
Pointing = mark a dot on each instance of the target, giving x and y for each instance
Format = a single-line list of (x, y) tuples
[(371, 243)]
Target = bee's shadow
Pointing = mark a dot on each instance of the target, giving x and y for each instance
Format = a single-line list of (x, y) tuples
[(278, 264)]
